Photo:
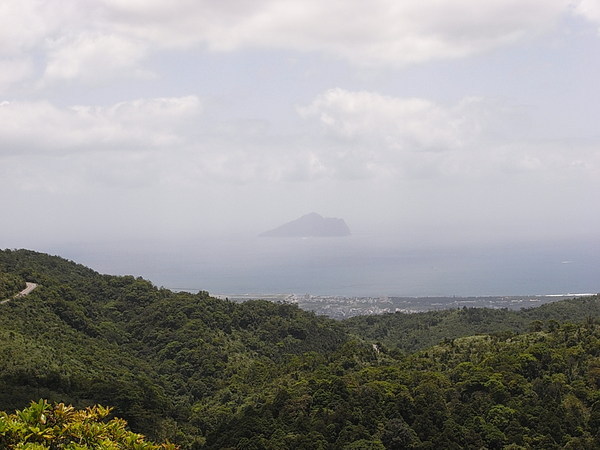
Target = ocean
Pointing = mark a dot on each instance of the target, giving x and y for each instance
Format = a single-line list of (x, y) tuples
[(348, 266)]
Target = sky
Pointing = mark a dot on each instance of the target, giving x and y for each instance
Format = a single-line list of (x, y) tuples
[(432, 120)]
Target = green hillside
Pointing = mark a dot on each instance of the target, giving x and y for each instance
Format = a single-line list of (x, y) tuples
[(209, 373), (10, 284), (411, 332)]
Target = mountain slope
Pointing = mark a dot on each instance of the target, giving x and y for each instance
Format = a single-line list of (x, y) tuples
[(85, 338)]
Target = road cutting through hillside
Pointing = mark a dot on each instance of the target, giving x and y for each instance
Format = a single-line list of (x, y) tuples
[(28, 288)]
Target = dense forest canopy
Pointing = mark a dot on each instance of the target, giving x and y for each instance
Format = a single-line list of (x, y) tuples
[(209, 373), (10, 284)]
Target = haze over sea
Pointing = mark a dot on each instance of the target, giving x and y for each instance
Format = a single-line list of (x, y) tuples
[(359, 265)]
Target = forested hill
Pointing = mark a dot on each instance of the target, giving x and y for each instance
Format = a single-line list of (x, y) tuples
[(85, 338), (208, 373), (411, 332)]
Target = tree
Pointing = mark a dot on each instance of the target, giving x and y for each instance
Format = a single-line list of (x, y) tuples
[(398, 435)]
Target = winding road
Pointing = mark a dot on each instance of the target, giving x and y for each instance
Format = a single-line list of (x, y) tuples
[(28, 288)]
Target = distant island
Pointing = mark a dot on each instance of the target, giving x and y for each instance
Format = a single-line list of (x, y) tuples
[(310, 225)]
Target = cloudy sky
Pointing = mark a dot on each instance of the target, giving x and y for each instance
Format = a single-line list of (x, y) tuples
[(447, 120)]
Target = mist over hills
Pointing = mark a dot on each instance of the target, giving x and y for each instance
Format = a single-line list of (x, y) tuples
[(310, 225), (210, 373)]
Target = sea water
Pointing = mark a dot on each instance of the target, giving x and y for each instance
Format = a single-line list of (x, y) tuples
[(348, 266)]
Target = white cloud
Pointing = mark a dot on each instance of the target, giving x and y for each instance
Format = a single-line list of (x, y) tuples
[(25, 23), (112, 38), (590, 9), (408, 124), (159, 141), (94, 57), (357, 135), (40, 127), (386, 136), (382, 136), (378, 32), (14, 70)]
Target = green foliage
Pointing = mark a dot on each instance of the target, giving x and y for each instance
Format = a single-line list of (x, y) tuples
[(10, 284), (48, 427)]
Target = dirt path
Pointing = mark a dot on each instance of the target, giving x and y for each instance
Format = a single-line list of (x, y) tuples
[(29, 287)]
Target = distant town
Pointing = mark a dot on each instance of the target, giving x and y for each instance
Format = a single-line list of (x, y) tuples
[(340, 307)]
